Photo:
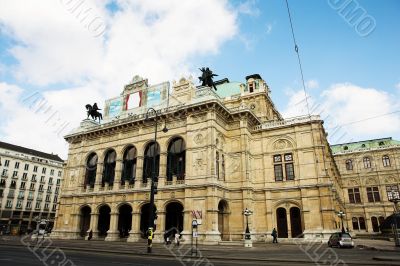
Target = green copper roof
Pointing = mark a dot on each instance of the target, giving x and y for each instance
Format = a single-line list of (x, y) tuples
[(365, 144), (228, 89)]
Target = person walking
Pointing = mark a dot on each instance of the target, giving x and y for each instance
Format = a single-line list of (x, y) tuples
[(177, 236), (274, 234)]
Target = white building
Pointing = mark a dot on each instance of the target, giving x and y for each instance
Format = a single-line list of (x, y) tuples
[(30, 184)]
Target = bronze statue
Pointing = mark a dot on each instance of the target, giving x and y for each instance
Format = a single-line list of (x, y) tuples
[(207, 77), (93, 111)]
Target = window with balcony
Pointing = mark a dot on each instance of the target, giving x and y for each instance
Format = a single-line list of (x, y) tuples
[(19, 204), (22, 186), (24, 176), (32, 187), (37, 206), (41, 188), (2, 183), (30, 195), (35, 169), (9, 204), (13, 184), (28, 205), (15, 174), (4, 173)]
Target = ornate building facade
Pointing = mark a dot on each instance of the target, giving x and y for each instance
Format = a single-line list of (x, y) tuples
[(225, 151), (370, 171)]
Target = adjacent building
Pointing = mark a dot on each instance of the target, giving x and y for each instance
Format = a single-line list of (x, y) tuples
[(30, 184), (370, 174), (224, 151)]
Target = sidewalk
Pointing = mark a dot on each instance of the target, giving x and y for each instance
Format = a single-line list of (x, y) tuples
[(381, 245)]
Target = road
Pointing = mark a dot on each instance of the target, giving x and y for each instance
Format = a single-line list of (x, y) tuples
[(22, 256)]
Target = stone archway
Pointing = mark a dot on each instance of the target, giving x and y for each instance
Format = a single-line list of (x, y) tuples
[(84, 220), (281, 221), (124, 220), (174, 216), (295, 222), (104, 220), (223, 219)]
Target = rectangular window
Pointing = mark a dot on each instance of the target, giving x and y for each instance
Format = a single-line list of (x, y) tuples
[(21, 195), (289, 171), (35, 168), (37, 206), (354, 195), (6, 163), (50, 180), (41, 188), (30, 195), (278, 172), (5, 172), (47, 197), (26, 168), (29, 205), (15, 173), (57, 189), (54, 207), (24, 176), (46, 206), (32, 187), (9, 204), (44, 170), (52, 172), (42, 179), (33, 178), (22, 185), (40, 196), (251, 87), (58, 181), (373, 194), (59, 173), (392, 192), (16, 165), (19, 204), (55, 199)]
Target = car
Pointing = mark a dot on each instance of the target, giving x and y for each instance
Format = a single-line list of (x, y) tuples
[(341, 240)]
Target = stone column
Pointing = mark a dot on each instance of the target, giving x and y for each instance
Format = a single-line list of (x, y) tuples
[(289, 223), (94, 221), (117, 175), (113, 233), (75, 230), (99, 176), (135, 234), (139, 170), (159, 233), (163, 165)]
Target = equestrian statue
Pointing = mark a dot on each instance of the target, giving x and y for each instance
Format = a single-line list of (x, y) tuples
[(93, 111)]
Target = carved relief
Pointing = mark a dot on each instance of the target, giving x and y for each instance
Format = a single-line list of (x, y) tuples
[(371, 181), (282, 144), (353, 182), (198, 139), (390, 180)]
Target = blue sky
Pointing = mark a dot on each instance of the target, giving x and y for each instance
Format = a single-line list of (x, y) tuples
[(44, 48)]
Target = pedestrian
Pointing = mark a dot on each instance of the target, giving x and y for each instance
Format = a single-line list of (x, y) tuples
[(177, 236), (274, 234), (90, 235)]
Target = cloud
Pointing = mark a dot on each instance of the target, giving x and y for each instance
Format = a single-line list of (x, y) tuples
[(53, 46), (351, 112), (312, 84), (397, 86), (269, 28), (249, 7)]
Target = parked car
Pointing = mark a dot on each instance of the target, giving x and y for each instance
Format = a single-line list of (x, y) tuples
[(341, 240)]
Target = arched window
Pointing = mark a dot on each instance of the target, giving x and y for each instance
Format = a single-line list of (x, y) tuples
[(385, 160), (109, 167), (367, 162), (176, 159), (349, 164), (91, 168), (129, 166), (151, 149)]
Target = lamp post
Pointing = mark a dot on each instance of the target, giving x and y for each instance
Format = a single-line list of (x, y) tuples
[(341, 214), (247, 235), (150, 231), (394, 196)]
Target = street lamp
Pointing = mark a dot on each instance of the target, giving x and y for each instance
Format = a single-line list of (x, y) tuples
[(341, 214), (150, 231), (247, 213), (394, 196)]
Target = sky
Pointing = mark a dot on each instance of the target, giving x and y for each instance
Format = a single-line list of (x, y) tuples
[(57, 56)]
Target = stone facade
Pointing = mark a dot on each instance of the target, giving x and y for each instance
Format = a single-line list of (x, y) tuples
[(237, 153), (369, 169)]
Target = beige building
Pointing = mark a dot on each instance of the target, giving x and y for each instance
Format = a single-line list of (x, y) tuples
[(225, 151), (29, 187), (370, 171)]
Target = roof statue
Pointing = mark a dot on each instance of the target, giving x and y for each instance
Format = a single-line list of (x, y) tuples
[(93, 111), (207, 77)]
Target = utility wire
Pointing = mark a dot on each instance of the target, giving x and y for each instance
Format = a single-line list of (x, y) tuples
[(296, 48), (369, 118)]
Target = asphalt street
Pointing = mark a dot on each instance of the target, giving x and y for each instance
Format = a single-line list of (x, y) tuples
[(286, 255)]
